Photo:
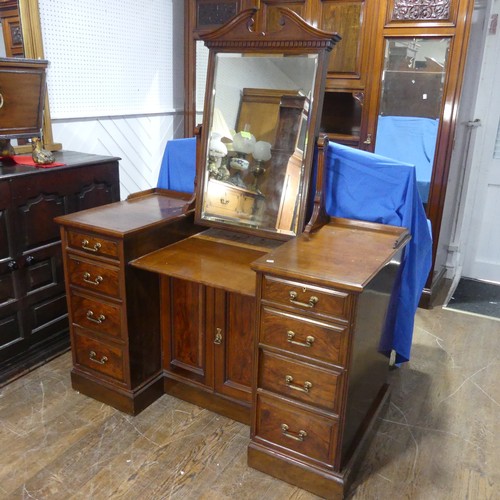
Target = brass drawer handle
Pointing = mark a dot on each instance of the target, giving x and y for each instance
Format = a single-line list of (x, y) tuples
[(224, 201), (218, 336), (100, 319), (293, 299), (1, 101), (289, 383), (86, 278), (290, 335), (299, 437), (93, 357), (95, 248)]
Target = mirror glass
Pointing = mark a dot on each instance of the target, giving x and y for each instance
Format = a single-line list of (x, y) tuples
[(410, 106), (258, 124)]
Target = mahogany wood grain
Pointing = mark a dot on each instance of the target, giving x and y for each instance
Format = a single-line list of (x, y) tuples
[(97, 356), (95, 277), (309, 298), (97, 315), (235, 317), (92, 244), (212, 263), (338, 256), (319, 443), (323, 385), (329, 341)]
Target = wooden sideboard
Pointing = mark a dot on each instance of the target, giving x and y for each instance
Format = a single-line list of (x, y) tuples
[(280, 335), (33, 314)]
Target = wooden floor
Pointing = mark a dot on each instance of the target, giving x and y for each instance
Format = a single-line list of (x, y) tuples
[(439, 440)]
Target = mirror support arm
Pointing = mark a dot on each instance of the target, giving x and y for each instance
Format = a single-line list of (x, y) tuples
[(319, 216), (190, 205)]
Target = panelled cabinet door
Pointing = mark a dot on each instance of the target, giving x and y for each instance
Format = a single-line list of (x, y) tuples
[(233, 344), (11, 333), (349, 59), (184, 326), (345, 111)]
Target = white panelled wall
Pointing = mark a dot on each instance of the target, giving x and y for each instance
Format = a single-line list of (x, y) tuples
[(115, 80)]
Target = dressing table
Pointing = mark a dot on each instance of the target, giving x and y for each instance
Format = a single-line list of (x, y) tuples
[(268, 319)]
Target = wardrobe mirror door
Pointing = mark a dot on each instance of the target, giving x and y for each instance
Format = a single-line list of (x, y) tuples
[(413, 81)]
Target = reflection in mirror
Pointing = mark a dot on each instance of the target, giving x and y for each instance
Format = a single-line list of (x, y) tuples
[(257, 140), (410, 105)]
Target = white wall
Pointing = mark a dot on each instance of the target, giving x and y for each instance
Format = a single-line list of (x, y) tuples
[(115, 80)]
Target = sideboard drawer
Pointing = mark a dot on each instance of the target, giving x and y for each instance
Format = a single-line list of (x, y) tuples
[(98, 356), (301, 381), (305, 297), (96, 315), (312, 436), (93, 276), (303, 336), (93, 245)]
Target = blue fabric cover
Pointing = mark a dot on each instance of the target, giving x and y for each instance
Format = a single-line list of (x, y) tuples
[(358, 185), (178, 166), (412, 140), (365, 186)]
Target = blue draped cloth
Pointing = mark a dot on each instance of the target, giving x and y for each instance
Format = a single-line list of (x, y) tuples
[(363, 186), (369, 187), (410, 139)]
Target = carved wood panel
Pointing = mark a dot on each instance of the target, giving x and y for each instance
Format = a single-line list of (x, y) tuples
[(420, 10)]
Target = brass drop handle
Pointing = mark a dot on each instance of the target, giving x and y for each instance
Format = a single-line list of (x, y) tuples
[(100, 319), (368, 140), (301, 435), (218, 336), (96, 281), (290, 335), (293, 298), (1, 101), (95, 248), (93, 357), (289, 383), (224, 201)]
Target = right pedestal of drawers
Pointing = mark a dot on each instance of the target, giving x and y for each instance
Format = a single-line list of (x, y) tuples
[(320, 382)]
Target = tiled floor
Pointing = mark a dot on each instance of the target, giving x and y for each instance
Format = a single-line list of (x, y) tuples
[(440, 438)]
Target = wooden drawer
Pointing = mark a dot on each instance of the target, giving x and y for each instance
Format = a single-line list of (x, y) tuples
[(304, 382), (96, 315), (293, 429), (98, 356), (93, 245), (305, 297), (303, 336), (94, 276)]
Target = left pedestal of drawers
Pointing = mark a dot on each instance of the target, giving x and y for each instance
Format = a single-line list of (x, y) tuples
[(114, 309)]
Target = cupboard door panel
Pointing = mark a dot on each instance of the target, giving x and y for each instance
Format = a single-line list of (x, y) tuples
[(235, 322), (184, 305), (345, 18)]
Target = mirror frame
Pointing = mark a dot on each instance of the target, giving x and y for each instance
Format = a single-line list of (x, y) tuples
[(33, 49), (293, 36)]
